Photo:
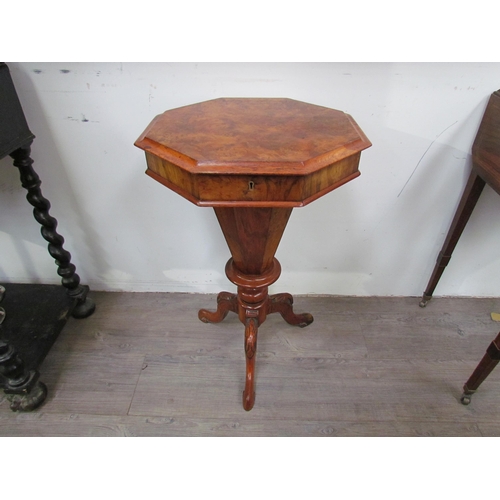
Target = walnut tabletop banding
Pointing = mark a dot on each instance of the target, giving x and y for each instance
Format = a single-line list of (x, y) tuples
[(253, 160)]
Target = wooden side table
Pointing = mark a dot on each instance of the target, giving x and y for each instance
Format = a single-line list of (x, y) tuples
[(485, 170), (32, 316), (253, 161)]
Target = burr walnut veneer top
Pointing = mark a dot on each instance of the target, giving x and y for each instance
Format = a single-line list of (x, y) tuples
[(256, 140)]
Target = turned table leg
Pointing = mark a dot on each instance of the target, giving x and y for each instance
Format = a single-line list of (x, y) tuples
[(70, 280), (483, 369), (469, 199), (24, 391)]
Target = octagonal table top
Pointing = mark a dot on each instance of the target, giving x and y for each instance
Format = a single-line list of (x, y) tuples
[(257, 135), (252, 151)]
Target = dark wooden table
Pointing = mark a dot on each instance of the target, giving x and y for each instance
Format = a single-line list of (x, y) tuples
[(32, 316), (253, 161), (485, 170)]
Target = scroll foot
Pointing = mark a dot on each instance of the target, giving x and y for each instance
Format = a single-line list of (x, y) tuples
[(283, 303), (250, 351), (225, 302)]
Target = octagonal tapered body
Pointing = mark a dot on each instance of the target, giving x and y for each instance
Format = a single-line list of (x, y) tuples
[(237, 152)]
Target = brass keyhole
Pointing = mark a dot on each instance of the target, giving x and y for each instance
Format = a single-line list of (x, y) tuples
[(251, 185)]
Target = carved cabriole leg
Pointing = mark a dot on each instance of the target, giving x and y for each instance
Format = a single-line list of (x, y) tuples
[(251, 328), (483, 369), (253, 306), (70, 280), (22, 387), (283, 303), (469, 199), (225, 302), (24, 391)]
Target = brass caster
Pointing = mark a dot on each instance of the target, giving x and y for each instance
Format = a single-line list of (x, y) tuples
[(425, 300), (465, 399)]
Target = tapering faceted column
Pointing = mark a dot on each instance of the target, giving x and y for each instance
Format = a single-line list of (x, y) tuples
[(253, 235)]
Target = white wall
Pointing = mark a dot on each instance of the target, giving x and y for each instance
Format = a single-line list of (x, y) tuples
[(377, 235)]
